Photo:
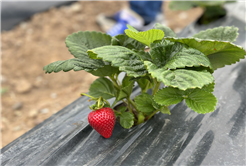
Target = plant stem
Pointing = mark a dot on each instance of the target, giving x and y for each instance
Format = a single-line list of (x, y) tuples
[(153, 113), (129, 101), (118, 81), (114, 103), (157, 85), (106, 101), (147, 87), (133, 104), (84, 94), (140, 118), (125, 102), (129, 105), (99, 102), (116, 85)]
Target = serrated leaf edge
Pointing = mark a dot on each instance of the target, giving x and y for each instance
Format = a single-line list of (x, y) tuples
[(131, 122), (162, 104), (76, 33), (122, 68), (146, 41), (64, 61), (173, 85), (209, 30), (201, 40), (216, 100)]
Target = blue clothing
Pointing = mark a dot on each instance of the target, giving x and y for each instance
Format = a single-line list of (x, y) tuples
[(147, 9)]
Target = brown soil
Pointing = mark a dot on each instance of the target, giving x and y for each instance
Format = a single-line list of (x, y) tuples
[(32, 96)]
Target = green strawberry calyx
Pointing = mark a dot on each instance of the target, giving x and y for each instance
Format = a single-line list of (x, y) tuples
[(100, 102)]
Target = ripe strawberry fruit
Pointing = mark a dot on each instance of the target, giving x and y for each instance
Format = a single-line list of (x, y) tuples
[(102, 120)]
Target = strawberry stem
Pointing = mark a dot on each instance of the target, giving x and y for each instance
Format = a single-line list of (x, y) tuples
[(129, 105), (157, 85), (140, 118), (99, 102), (153, 113), (147, 87), (92, 98), (134, 105), (114, 103), (106, 101), (115, 83)]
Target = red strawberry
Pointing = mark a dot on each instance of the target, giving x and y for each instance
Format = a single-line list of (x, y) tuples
[(102, 121)]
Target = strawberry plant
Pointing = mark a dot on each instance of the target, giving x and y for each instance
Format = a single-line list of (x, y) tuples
[(184, 65)]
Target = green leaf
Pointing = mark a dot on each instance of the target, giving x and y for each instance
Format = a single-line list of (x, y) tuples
[(183, 56), (144, 103), (145, 83), (220, 53), (117, 114), (93, 56), (177, 55), (126, 120), (131, 28), (168, 96), (201, 68), (167, 31), (142, 83), (146, 37), (141, 117), (75, 64), (220, 33), (125, 41), (121, 95), (127, 86), (144, 56), (124, 58), (208, 88), (155, 105), (158, 52), (185, 79), (102, 87), (180, 78), (78, 43), (201, 101), (122, 109), (106, 70), (165, 110), (127, 83)]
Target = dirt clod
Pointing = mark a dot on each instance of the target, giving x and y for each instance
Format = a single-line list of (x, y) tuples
[(17, 106), (33, 113), (44, 111), (23, 86)]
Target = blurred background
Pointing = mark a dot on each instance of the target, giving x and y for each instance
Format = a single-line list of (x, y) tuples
[(28, 95)]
